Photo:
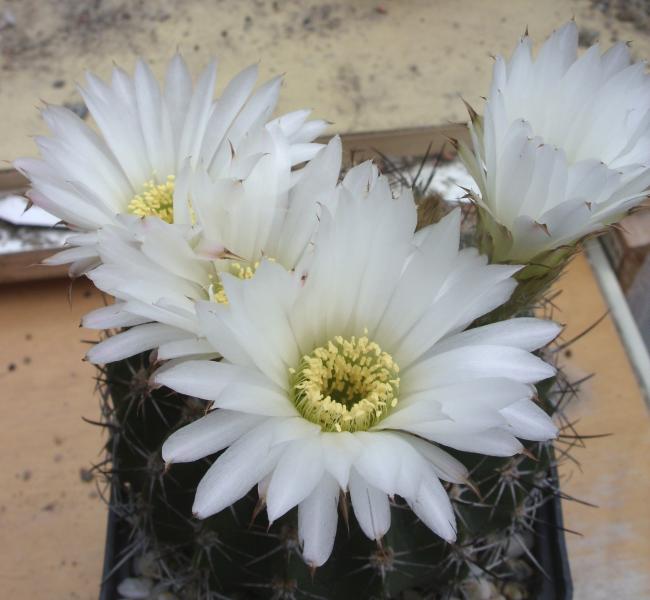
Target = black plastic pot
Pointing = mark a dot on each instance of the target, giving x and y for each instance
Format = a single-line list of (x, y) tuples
[(549, 550), (551, 553), (115, 568)]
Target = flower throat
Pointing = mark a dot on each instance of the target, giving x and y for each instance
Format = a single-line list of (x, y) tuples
[(348, 384), (216, 291)]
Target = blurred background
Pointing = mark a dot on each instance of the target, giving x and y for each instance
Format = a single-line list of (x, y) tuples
[(366, 66)]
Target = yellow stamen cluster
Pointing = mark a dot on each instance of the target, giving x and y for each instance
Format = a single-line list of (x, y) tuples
[(155, 200), (345, 385), (216, 291)]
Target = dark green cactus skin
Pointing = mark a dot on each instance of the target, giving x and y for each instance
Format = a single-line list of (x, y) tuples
[(233, 555)]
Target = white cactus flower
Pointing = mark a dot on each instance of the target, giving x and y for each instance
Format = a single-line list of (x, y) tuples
[(348, 379), (147, 135), (563, 149), (158, 271)]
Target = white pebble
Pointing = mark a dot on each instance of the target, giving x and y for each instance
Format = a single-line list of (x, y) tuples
[(135, 588)]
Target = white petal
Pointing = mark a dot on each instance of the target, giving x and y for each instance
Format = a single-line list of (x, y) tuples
[(340, 450), (299, 470), (310, 131), (317, 522), (433, 508), (222, 338), (293, 428), (316, 186), (188, 347), (255, 394), (111, 316), (371, 507), (201, 378), (228, 106), (236, 471), (529, 422), (472, 289), (154, 120), (71, 255), (133, 341), (493, 442), (525, 333), (258, 109), (255, 324), (167, 246), (422, 278), (83, 156), (299, 153), (475, 362), (445, 466), (64, 202), (407, 413), (207, 435), (178, 93), (389, 463), (113, 109), (473, 403), (198, 113)]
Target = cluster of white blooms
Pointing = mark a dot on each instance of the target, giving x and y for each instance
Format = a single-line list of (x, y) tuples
[(563, 148), (331, 341)]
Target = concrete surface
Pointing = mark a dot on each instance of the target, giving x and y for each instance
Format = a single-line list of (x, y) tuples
[(364, 64)]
